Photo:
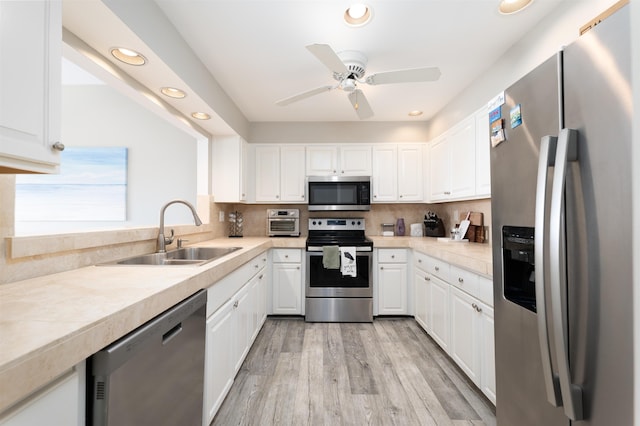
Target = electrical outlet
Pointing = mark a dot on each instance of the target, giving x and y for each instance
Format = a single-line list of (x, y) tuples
[(221, 216)]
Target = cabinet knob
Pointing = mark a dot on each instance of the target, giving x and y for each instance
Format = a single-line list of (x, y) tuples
[(58, 146), (260, 276), (419, 260), (393, 256), (235, 304), (381, 268), (400, 196), (437, 268), (476, 307), (460, 280), (427, 279), (286, 256), (297, 267), (277, 196), (256, 266)]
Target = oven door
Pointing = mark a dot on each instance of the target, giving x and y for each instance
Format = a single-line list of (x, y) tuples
[(322, 282)]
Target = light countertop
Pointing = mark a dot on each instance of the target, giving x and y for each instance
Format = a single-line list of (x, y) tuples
[(50, 323)]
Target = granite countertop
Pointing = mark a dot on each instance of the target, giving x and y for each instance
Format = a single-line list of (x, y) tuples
[(50, 323)]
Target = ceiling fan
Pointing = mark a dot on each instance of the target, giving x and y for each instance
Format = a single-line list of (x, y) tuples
[(348, 68)]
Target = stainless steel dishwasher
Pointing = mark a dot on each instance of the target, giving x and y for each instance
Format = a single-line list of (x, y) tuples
[(155, 374)]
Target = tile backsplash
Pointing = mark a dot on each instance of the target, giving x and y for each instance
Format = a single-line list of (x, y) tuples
[(255, 216)]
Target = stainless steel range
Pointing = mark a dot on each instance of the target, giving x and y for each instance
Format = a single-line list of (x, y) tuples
[(342, 292)]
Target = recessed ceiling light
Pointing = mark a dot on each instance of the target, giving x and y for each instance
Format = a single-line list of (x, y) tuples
[(358, 15), (415, 113), (201, 115), (128, 56), (507, 7), (172, 92)]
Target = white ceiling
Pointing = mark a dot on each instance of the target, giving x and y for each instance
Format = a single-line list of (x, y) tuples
[(255, 50)]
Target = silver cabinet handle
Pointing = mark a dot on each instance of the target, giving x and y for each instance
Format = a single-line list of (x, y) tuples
[(567, 150), (58, 146), (235, 304), (546, 159), (476, 307)]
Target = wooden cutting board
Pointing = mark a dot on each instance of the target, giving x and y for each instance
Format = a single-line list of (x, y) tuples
[(475, 233)]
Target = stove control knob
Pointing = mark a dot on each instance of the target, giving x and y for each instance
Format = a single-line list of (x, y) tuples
[(319, 222), (313, 223), (353, 222), (358, 223)]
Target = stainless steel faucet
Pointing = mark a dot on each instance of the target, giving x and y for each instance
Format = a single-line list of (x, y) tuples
[(162, 240)]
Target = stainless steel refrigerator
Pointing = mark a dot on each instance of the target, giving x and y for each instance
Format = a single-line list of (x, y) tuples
[(561, 229)]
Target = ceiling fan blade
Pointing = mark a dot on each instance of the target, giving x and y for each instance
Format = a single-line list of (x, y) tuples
[(303, 95), (328, 57), (360, 104), (404, 76)]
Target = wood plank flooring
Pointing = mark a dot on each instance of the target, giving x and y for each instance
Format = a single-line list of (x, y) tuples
[(389, 372)]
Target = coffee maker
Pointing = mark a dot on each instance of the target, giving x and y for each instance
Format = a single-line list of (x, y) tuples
[(434, 227)]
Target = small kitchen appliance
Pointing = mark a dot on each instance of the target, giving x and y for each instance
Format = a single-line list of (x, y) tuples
[(283, 222), (339, 193), (434, 227)]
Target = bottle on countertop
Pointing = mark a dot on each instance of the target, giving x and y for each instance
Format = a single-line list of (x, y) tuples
[(400, 227)]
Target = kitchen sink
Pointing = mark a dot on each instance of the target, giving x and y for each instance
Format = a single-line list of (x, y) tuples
[(181, 256)]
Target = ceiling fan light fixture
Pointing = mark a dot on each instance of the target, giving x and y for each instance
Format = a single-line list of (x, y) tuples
[(357, 15), (508, 7), (348, 85), (128, 56)]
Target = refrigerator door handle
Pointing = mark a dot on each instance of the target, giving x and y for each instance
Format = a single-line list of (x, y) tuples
[(567, 151), (546, 159)]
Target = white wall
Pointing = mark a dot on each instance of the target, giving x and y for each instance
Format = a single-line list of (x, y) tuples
[(550, 34), (162, 160)]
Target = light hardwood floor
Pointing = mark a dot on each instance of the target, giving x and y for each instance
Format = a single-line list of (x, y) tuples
[(389, 372)]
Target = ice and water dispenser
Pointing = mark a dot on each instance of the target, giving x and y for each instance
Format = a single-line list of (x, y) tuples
[(518, 262)]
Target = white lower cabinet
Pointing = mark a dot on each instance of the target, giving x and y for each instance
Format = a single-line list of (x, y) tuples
[(392, 282), (287, 282), (454, 306), (439, 312), (236, 310), (60, 403), (422, 290)]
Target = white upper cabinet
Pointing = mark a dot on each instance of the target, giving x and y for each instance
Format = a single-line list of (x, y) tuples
[(410, 172), (280, 173), (30, 61), (385, 173), (230, 169), (397, 173), (334, 160), (459, 161), (483, 147)]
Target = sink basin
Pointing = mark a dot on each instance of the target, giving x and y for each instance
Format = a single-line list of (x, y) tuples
[(183, 256)]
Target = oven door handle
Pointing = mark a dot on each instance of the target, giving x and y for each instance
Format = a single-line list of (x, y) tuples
[(358, 249)]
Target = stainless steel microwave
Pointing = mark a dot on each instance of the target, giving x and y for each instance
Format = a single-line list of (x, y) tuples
[(339, 193)]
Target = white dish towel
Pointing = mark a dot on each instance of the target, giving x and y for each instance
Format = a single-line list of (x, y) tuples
[(348, 261)]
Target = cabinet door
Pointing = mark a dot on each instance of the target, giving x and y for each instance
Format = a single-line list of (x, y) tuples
[(228, 161), (422, 284), (355, 160), (385, 173), (439, 311), (483, 162), (465, 333), (410, 172), (30, 85), (487, 350), (242, 326), (287, 288), (267, 173), (322, 160), (218, 367), (61, 403), (292, 173), (439, 169), (392, 289), (463, 159)]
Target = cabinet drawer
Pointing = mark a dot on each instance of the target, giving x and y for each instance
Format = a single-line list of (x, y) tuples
[(485, 290), (287, 256), (392, 255), (421, 261), (464, 280), (438, 268)]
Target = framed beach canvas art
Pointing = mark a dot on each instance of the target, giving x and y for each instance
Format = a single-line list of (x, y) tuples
[(91, 186)]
